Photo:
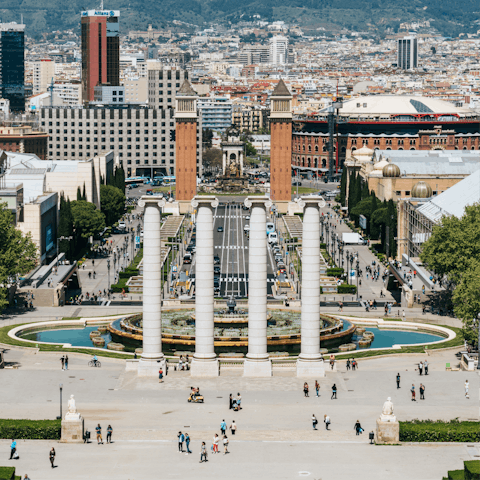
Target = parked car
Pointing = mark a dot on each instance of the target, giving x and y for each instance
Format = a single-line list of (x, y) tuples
[(216, 260), (297, 183), (216, 269), (220, 229)]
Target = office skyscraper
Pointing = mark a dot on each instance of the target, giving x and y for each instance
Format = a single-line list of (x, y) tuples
[(100, 50), (12, 65), (278, 50), (407, 53)]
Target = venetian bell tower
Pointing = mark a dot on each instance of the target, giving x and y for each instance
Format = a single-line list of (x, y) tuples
[(281, 145), (186, 119)]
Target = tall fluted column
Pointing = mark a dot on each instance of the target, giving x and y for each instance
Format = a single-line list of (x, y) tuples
[(204, 362), (257, 363), (310, 361), (152, 357)]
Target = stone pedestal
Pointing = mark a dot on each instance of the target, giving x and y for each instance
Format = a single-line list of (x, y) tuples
[(252, 368), (306, 368), (204, 368), (387, 432), (72, 429), (150, 368)]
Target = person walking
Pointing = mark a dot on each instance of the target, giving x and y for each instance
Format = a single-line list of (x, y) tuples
[(358, 428), (422, 391), (348, 364), (413, 393), (305, 389), (98, 429), (425, 367), (403, 314), (467, 386), (187, 443), (215, 443), (230, 402), (66, 362), (317, 388), (160, 376), (326, 420), (203, 453), (181, 439), (314, 421), (225, 445), (420, 367), (109, 434), (398, 380), (52, 457), (223, 427), (334, 392), (354, 365), (239, 400), (13, 448), (233, 427), (63, 362)]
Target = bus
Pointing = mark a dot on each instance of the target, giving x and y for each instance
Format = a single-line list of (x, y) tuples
[(131, 180), (168, 180), (270, 228)]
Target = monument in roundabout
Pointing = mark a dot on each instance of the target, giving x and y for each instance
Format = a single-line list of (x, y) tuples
[(205, 360)]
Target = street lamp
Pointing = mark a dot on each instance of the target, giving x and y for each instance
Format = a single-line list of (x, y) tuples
[(108, 268), (61, 388)]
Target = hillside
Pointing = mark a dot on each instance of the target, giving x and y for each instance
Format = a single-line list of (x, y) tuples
[(449, 17)]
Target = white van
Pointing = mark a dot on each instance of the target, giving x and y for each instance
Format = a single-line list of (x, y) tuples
[(272, 238)]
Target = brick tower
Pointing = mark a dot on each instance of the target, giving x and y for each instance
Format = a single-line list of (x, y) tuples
[(281, 146), (186, 142)]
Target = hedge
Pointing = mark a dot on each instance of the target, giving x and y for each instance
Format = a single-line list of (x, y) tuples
[(347, 289), (439, 431), (472, 469), (7, 473), (335, 271), (30, 429)]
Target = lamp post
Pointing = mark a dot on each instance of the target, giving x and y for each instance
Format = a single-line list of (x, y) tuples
[(108, 268), (357, 277), (61, 388)]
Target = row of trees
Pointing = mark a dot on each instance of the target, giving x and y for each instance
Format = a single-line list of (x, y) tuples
[(381, 216), (453, 253)]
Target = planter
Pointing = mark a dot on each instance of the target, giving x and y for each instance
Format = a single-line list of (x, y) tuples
[(116, 346), (102, 329), (98, 341), (94, 334)]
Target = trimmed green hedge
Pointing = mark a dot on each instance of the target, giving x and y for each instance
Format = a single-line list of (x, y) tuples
[(7, 473), (30, 429), (347, 289), (335, 271), (472, 469), (439, 431), (456, 475)]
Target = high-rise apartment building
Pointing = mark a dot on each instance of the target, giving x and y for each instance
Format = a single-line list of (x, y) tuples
[(163, 84), (12, 65), (100, 50), (43, 74), (407, 53), (278, 50), (254, 54)]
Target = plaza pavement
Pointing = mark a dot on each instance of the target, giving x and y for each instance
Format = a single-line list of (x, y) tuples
[(274, 438)]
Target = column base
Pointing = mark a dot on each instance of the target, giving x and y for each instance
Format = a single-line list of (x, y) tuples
[(306, 368), (204, 368), (256, 368), (149, 367)]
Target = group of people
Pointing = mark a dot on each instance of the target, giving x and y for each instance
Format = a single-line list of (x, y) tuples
[(421, 390), (98, 431), (185, 438), (306, 389), (235, 403), (183, 363), (64, 361)]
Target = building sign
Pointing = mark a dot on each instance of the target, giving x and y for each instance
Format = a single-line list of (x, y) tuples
[(362, 220), (101, 13)]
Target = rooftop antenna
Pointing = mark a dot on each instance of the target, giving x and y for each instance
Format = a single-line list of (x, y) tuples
[(101, 4)]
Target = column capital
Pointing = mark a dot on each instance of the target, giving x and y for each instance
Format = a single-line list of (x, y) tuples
[(310, 201), (151, 200), (205, 201), (254, 200)]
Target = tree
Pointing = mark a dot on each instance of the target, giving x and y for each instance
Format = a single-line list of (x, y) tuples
[(119, 179), (65, 227), (250, 150), (84, 195), (212, 158), (88, 221), (343, 186), (18, 253), (79, 194), (207, 137), (112, 202)]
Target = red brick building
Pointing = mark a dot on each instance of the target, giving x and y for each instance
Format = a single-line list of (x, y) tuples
[(24, 139)]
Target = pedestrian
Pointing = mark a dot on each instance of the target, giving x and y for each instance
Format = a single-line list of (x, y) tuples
[(423, 310), (94, 274), (26, 477), (403, 315), (305, 389), (314, 422), (467, 386), (203, 453), (63, 362), (187, 443), (398, 380), (413, 393), (160, 376), (98, 429), (422, 391), (425, 367), (215, 443), (225, 445), (233, 427), (66, 362), (239, 400), (354, 365), (326, 420), (52, 457), (358, 428), (181, 439), (109, 434), (348, 364), (13, 448), (230, 402), (340, 306), (317, 388), (420, 367), (223, 427), (334, 392), (332, 362)]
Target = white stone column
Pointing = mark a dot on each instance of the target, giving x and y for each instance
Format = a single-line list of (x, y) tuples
[(310, 361), (257, 363), (152, 357), (204, 362)]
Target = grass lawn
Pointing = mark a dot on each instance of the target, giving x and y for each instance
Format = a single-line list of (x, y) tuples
[(304, 190), (164, 189)]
